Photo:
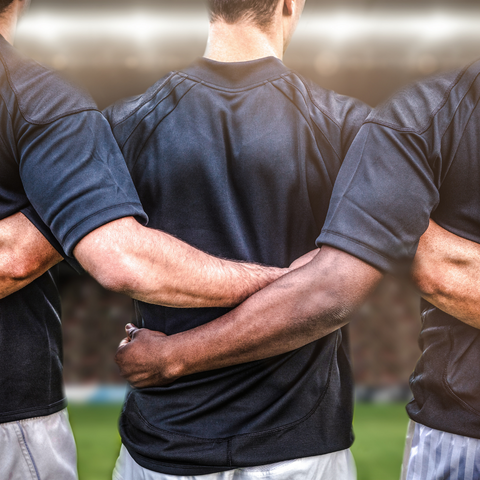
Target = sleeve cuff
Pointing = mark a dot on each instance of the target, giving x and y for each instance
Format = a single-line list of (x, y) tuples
[(359, 250), (99, 219), (32, 215)]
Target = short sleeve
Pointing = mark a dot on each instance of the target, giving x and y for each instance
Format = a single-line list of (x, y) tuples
[(34, 218), (382, 199), (75, 177)]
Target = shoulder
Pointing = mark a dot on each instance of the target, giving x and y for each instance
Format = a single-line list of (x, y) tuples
[(338, 109), (123, 110), (415, 107), (41, 94), (340, 117)]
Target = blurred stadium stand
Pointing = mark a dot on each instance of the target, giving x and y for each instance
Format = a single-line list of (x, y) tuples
[(364, 48)]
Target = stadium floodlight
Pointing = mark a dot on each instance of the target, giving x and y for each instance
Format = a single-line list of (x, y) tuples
[(334, 26)]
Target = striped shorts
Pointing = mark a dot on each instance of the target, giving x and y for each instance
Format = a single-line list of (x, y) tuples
[(436, 455)]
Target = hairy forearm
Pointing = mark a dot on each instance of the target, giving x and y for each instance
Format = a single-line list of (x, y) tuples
[(25, 254), (157, 268), (447, 272), (298, 309)]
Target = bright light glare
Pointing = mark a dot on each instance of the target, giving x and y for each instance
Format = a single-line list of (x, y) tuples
[(334, 26), (136, 26), (344, 26)]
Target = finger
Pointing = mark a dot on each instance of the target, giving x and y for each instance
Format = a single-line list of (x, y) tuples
[(131, 329), (124, 342)]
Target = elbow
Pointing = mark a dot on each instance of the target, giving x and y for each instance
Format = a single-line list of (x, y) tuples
[(328, 313), (111, 278), (18, 270), (428, 281), (116, 273)]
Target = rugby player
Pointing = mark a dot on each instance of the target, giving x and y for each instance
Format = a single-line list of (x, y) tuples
[(416, 157), (237, 155), (61, 171)]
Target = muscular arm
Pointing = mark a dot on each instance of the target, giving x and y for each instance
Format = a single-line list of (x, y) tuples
[(301, 307), (25, 254), (447, 272), (157, 268)]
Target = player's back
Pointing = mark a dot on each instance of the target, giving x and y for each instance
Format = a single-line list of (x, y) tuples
[(31, 97), (61, 168), (239, 160), (445, 391), (417, 157)]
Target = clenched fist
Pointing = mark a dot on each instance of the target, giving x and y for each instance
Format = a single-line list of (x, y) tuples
[(143, 358)]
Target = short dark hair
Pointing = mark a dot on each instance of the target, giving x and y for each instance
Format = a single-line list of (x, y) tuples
[(4, 4), (231, 11)]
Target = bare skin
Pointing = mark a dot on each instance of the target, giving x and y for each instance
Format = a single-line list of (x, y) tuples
[(25, 254), (245, 41), (154, 267), (146, 264), (446, 270)]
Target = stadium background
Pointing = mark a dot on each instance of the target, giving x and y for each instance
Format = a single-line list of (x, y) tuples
[(364, 48)]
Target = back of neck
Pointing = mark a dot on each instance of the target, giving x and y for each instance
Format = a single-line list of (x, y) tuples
[(242, 42), (8, 24)]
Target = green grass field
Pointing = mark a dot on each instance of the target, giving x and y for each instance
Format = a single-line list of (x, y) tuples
[(379, 429)]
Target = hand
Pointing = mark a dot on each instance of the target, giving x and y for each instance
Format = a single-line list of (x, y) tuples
[(142, 358), (302, 261)]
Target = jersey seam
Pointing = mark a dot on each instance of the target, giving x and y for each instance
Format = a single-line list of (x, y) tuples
[(459, 105), (454, 156), (307, 122), (238, 89), (147, 99), (317, 105), (443, 101), (156, 126), (315, 123), (11, 123), (27, 117), (312, 211), (137, 124), (6, 106)]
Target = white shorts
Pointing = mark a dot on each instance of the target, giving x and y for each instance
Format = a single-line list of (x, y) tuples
[(435, 455), (39, 448), (334, 466)]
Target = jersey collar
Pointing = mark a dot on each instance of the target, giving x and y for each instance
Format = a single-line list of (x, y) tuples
[(236, 74)]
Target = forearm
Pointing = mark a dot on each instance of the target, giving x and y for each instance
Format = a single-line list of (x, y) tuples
[(298, 309), (447, 272), (154, 267), (25, 254)]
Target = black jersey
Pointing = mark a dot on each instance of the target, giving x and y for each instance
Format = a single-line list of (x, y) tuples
[(239, 159), (419, 156), (61, 167)]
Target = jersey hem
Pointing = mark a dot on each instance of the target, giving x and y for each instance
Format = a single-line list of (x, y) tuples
[(33, 412), (186, 470)]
